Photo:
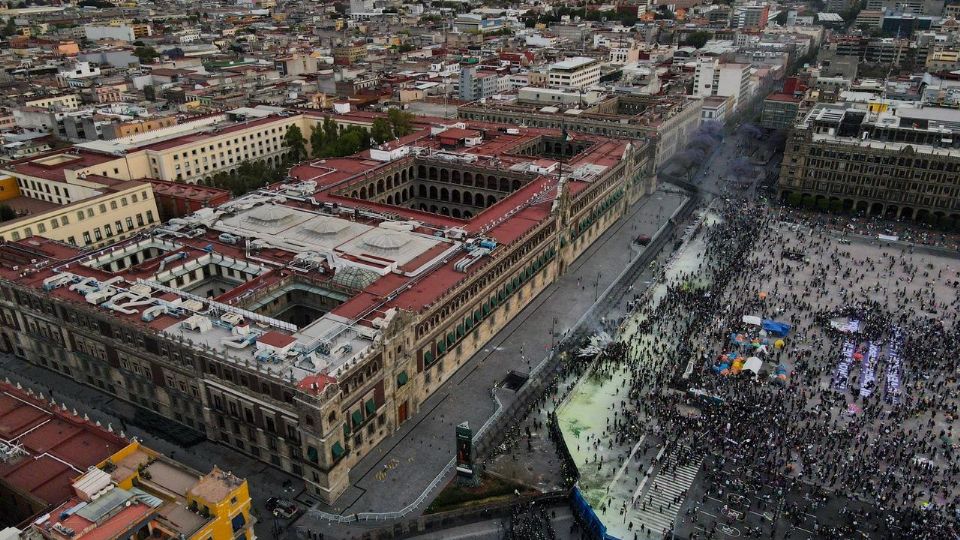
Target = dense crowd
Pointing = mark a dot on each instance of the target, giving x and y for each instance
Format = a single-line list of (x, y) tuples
[(879, 431)]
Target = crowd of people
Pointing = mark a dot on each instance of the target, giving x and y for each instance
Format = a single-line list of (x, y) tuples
[(884, 437)]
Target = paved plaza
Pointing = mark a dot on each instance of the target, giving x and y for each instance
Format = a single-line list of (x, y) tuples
[(854, 402)]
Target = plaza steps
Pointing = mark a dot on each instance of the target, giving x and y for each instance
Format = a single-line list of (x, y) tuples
[(664, 487)]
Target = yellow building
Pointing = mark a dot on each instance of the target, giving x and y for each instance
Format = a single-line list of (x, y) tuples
[(135, 127), (157, 498), (63, 101), (187, 152), (114, 212), (943, 60), (8, 188)]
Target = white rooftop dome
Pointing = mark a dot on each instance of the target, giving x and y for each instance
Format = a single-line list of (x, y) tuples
[(326, 225), (386, 240), (269, 214)]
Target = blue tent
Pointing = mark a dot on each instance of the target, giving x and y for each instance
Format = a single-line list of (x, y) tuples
[(779, 329)]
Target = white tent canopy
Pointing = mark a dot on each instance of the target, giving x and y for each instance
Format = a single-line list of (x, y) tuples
[(753, 364)]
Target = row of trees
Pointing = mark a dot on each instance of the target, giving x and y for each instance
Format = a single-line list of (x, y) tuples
[(326, 140), (329, 140), (250, 175)]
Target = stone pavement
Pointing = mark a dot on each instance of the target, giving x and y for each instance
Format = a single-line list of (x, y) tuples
[(562, 522), (264, 480), (397, 471)]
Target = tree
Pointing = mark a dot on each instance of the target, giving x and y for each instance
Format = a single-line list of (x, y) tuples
[(697, 39), (663, 12), (402, 122), (781, 18), (381, 131), (146, 55), (7, 213), (295, 142), (329, 128), (9, 29), (317, 140), (250, 175)]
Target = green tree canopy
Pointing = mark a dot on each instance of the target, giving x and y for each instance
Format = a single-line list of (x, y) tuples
[(381, 130), (294, 141), (402, 122), (250, 175), (146, 55), (7, 213), (697, 39), (9, 29)]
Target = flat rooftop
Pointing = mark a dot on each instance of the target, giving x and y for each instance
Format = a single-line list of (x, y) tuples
[(47, 447), (647, 111), (28, 207), (571, 64)]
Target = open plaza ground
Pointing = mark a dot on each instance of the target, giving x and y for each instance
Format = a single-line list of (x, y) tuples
[(838, 421)]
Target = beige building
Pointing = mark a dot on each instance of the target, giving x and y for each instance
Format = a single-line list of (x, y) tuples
[(186, 152), (669, 120), (63, 101), (900, 164), (93, 212), (943, 61), (574, 73), (135, 127)]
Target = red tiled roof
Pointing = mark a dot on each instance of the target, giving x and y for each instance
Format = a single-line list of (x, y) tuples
[(194, 192), (457, 133), (783, 97), (58, 446), (315, 383), (276, 339)]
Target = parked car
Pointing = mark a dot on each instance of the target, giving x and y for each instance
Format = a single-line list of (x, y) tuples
[(281, 508), (643, 239)]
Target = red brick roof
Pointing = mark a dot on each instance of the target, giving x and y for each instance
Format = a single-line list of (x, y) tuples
[(316, 383), (58, 446), (193, 192), (783, 97), (276, 339)]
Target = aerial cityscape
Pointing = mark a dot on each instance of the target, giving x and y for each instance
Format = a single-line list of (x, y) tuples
[(377, 269)]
